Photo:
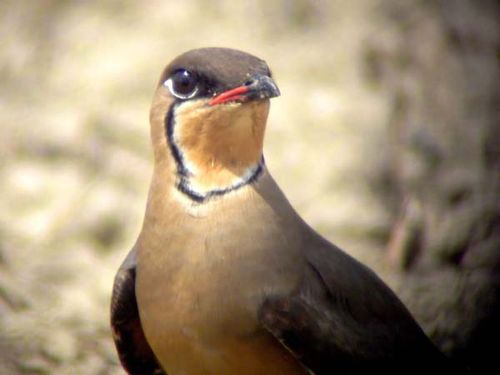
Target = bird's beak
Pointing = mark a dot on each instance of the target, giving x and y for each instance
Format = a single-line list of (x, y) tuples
[(257, 88)]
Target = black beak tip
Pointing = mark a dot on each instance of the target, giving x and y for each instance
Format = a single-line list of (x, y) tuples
[(262, 87)]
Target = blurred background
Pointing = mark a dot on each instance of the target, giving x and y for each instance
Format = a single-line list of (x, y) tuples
[(386, 139)]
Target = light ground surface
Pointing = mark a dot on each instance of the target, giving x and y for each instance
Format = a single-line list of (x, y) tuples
[(75, 162)]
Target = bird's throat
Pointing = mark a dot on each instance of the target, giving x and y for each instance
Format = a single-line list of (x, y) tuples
[(216, 149)]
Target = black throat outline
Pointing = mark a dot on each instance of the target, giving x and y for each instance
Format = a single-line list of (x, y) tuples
[(183, 173)]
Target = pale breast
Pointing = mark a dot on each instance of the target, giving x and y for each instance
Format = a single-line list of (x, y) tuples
[(199, 289)]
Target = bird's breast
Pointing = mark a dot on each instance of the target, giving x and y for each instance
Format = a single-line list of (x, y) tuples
[(199, 289)]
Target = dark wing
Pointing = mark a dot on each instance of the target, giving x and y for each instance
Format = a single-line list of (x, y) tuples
[(135, 354), (343, 317)]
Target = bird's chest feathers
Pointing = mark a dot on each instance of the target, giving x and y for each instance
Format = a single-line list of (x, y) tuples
[(202, 295), (209, 275), (211, 278)]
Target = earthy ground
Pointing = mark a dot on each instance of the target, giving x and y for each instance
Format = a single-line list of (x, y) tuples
[(76, 83)]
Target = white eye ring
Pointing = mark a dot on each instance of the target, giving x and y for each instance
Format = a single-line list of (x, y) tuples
[(170, 85)]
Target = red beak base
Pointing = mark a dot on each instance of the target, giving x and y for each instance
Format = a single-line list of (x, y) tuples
[(229, 95)]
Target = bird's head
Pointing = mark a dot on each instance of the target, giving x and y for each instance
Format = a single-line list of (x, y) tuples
[(208, 119)]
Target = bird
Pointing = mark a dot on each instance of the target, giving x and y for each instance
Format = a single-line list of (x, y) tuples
[(225, 277)]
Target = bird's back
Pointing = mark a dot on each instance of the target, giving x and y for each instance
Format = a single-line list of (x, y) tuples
[(343, 317)]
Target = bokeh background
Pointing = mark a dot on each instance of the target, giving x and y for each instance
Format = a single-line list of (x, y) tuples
[(386, 139)]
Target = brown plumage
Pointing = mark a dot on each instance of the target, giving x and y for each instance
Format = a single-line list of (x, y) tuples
[(225, 277)]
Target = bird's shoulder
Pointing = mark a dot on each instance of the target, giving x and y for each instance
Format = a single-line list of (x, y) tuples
[(133, 349)]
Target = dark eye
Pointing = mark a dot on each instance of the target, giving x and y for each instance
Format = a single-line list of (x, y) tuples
[(182, 84)]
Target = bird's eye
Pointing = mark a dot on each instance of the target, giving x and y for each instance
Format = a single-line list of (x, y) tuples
[(182, 84)]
